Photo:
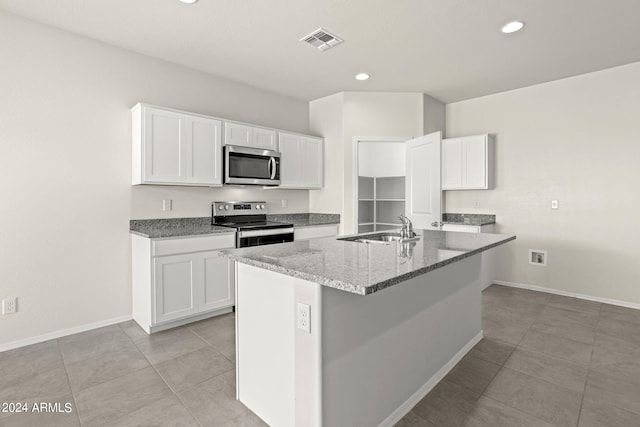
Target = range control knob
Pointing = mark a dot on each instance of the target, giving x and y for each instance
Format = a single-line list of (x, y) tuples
[(258, 207), (261, 206), (225, 207)]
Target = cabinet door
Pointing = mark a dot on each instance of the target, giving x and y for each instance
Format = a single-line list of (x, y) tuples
[(163, 146), (175, 285), (451, 163), (204, 151), (313, 162), (291, 161), (237, 134), (474, 162), (265, 138), (218, 278)]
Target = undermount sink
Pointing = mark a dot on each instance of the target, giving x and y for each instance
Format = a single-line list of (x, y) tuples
[(383, 238)]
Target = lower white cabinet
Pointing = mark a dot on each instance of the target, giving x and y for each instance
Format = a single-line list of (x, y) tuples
[(177, 281), (313, 232)]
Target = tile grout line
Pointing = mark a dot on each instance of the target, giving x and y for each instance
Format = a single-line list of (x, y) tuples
[(165, 382), (66, 372), (540, 379), (586, 380)]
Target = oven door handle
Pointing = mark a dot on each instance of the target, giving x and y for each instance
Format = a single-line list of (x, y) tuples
[(269, 232), (272, 167)]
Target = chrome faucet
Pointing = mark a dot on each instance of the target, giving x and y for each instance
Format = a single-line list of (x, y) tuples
[(407, 227)]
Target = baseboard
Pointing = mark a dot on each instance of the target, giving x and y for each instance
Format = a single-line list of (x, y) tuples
[(62, 333), (416, 397), (568, 294)]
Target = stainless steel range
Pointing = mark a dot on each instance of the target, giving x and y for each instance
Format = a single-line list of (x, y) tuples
[(250, 221)]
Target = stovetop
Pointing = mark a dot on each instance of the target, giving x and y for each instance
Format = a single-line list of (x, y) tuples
[(254, 225)]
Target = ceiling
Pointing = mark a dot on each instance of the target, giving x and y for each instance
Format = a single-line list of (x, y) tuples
[(450, 49)]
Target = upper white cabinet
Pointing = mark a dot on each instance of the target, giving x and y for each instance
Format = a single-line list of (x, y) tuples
[(175, 148), (250, 136), (467, 163), (301, 161)]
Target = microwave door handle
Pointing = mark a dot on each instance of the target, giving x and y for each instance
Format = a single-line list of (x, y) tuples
[(272, 167)]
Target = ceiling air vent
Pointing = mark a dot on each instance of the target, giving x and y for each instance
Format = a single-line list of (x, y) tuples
[(322, 39)]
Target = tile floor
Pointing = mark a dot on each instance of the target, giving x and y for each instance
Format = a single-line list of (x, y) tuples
[(545, 361)]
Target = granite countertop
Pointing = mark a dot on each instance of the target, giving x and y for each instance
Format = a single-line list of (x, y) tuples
[(306, 219), (468, 219), (175, 227), (362, 268), (181, 227)]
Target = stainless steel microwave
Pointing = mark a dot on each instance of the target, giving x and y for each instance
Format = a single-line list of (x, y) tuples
[(243, 165)]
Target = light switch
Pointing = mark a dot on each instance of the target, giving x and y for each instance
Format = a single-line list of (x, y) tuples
[(554, 204), (167, 205)]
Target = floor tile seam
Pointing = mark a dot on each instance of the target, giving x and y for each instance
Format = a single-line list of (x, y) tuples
[(527, 331), (181, 400), (617, 338), (84, 358), (565, 313), (127, 335), (561, 323), (545, 381), (586, 368), (82, 389), (576, 310), (66, 372), (102, 354), (196, 384), (557, 356), (614, 404), (512, 407)]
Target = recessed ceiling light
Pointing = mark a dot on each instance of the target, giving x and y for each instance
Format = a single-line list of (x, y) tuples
[(512, 27), (189, 1), (362, 76)]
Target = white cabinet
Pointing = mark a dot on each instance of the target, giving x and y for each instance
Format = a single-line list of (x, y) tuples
[(250, 136), (177, 281), (175, 148), (301, 161), (314, 232), (467, 163)]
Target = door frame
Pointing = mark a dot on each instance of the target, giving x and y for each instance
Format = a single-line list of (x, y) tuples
[(356, 144)]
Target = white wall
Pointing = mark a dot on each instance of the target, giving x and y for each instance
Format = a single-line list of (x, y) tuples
[(65, 165), (340, 118), (325, 118), (575, 140)]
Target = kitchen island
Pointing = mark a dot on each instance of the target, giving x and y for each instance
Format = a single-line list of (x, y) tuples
[(334, 332)]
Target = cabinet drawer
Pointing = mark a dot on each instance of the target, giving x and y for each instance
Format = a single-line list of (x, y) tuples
[(193, 244)]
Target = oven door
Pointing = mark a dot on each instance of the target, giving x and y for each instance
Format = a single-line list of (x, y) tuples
[(244, 165), (264, 237)]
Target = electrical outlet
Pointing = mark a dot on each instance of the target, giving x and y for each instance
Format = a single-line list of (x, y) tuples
[(476, 203), (554, 204), (9, 305), (167, 205), (284, 203), (304, 317)]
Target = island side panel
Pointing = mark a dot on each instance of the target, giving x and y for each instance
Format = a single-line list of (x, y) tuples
[(265, 344), (278, 365), (385, 351)]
